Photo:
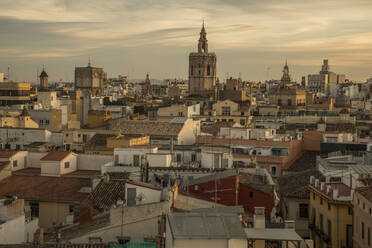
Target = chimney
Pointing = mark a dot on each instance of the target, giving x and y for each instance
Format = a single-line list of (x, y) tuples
[(106, 178), (312, 180), (328, 189), (290, 224), (41, 235), (316, 183), (259, 217), (322, 186), (328, 179), (335, 193)]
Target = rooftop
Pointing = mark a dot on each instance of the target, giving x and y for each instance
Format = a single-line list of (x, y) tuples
[(283, 234), (44, 188), (55, 156), (205, 225), (7, 154), (366, 192), (148, 127)]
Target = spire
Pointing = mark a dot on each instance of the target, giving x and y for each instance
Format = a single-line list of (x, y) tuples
[(203, 42), (89, 64), (286, 79)]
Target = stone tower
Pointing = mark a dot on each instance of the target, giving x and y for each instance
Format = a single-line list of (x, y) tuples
[(202, 69), (147, 86), (286, 79), (43, 80)]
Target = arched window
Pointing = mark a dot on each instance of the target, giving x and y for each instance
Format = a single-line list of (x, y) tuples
[(192, 70), (208, 70)]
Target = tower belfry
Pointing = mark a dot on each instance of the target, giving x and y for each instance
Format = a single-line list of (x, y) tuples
[(202, 68), (43, 80), (203, 42)]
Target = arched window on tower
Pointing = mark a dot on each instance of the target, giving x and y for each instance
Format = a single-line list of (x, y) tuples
[(208, 70), (192, 70)]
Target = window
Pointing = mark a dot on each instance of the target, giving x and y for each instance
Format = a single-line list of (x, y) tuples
[(226, 111), (362, 230), (304, 210), (329, 206), (79, 135), (180, 113), (329, 229), (178, 157), (321, 222), (321, 201), (350, 212), (66, 134), (251, 194), (15, 163), (34, 206), (192, 70), (313, 196), (279, 102), (289, 102), (370, 211), (314, 216), (71, 209), (369, 236), (67, 165), (41, 122), (47, 122), (242, 113), (273, 170), (364, 205), (208, 70), (242, 122), (193, 157), (18, 147)]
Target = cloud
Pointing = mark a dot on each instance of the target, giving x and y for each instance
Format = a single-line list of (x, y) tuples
[(247, 35)]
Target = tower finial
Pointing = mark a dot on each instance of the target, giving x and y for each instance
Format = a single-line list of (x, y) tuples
[(89, 64), (286, 64)]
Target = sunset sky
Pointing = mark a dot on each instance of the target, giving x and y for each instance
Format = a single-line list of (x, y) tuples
[(250, 38)]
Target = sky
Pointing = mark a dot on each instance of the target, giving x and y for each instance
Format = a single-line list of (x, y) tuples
[(252, 39)]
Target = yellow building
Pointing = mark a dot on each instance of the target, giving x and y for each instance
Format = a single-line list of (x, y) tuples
[(18, 120), (97, 118), (14, 93), (75, 139), (230, 111), (104, 144), (287, 95), (330, 214)]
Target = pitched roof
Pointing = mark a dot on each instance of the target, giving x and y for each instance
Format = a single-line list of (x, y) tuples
[(7, 154), (44, 188), (366, 192), (205, 225), (295, 184), (148, 128), (305, 162), (107, 193), (55, 156)]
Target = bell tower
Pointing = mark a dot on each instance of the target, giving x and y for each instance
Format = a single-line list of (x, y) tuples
[(202, 69), (43, 80)]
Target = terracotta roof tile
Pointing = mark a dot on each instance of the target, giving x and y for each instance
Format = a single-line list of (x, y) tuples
[(45, 188), (55, 156), (366, 192), (148, 127), (7, 154)]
